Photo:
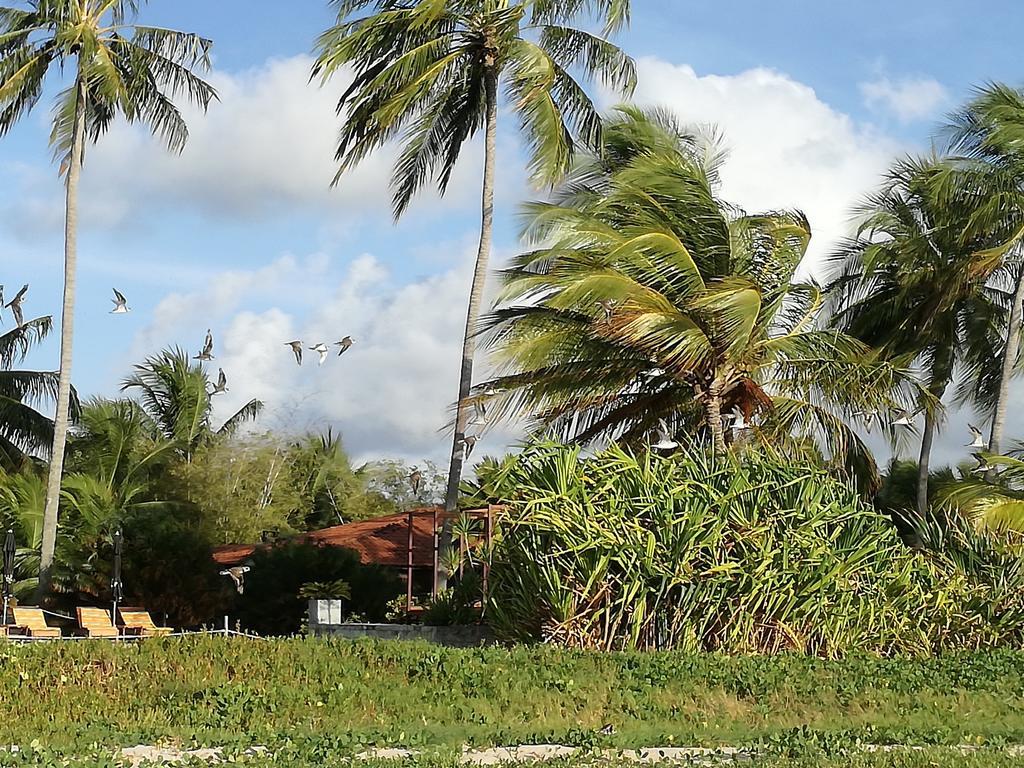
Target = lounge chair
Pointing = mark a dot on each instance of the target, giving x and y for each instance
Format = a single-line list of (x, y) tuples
[(30, 622), (95, 622), (138, 622)]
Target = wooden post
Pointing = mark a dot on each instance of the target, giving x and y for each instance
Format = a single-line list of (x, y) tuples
[(408, 586), (433, 588)]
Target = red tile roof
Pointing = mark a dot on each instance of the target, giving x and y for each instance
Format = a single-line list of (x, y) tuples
[(380, 541)]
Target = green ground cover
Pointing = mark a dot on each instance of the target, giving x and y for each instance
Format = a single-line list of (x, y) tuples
[(338, 697)]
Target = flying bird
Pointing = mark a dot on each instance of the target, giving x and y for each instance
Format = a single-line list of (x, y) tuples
[(903, 420), (207, 353), (978, 440), (479, 414), (739, 421), (665, 441), (608, 306), (345, 345), (237, 575), (983, 465), (322, 350), (296, 350), (120, 304), (222, 383), (415, 479), (15, 305)]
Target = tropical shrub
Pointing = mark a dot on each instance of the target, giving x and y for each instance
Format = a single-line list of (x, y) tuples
[(274, 600), (739, 554)]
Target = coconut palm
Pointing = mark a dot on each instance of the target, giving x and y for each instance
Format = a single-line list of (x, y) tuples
[(922, 282), (655, 307), (428, 73), (174, 393), (995, 507), (990, 130), (23, 428), (117, 68)]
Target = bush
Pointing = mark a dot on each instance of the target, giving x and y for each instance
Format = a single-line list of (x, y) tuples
[(751, 554), (272, 603)]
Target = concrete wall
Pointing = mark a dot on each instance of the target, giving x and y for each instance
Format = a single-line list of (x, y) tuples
[(325, 621)]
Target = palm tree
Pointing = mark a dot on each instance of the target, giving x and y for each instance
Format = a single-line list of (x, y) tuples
[(920, 282), (174, 393), (990, 130), (651, 302), (118, 68), (23, 428), (428, 73)]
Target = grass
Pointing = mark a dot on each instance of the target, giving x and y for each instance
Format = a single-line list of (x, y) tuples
[(335, 697)]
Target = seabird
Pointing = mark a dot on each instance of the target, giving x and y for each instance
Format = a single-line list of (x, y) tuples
[(15, 305), (120, 304), (665, 441), (468, 444), (978, 440), (739, 422), (904, 420), (983, 465), (237, 575), (479, 414), (222, 383), (296, 350), (207, 353), (345, 345), (415, 478), (322, 350), (608, 306)]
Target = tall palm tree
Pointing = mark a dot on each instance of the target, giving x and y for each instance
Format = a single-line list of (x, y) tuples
[(921, 282), (23, 428), (990, 130), (651, 300), (174, 393), (428, 73), (118, 68)]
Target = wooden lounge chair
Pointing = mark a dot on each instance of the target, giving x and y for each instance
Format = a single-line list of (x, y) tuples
[(139, 623), (95, 622), (30, 622)]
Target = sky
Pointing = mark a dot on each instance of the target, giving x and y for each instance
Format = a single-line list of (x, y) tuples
[(243, 234)]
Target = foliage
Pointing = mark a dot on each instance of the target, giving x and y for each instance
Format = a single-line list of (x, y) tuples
[(740, 554), (650, 299), (339, 589), (996, 506), (388, 481), (334, 698), (458, 604), (272, 603)]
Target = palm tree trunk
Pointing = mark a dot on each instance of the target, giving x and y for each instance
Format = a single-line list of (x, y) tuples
[(67, 328), (1013, 331), (451, 499), (923, 468), (713, 414)]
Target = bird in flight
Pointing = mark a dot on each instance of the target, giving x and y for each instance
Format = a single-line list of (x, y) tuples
[(120, 304), (296, 350), (739, 422), (222, 383), (665, 441), (468, 444), (15, 306), (608, 307), (237, 575), (983, 465), (207, 353), (479, 414), (978, 440), (322, 350), (415, 479), (904, 420), (345, 345)]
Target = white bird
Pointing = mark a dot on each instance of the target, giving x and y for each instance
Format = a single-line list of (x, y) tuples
[(608, 306), (868, 417), (15, 306), (323, 350), (665, 441), (415, 479), (120, 304), (207, 353), (903, 420), (345, 345), (479, 414), (237, 575), (978, 439), (739, 422), (468, 444), (983, 465), (296, 350), (222, 383)]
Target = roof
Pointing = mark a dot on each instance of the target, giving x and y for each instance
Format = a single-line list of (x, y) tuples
[(379, 541)]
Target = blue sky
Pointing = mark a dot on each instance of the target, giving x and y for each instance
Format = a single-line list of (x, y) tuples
[(243, 235)]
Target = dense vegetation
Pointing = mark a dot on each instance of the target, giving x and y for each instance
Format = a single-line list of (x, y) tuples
[(337, 696)]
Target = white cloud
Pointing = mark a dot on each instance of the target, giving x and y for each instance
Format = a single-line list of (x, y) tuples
[(787, 148), (388, 396), (907, 98)]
